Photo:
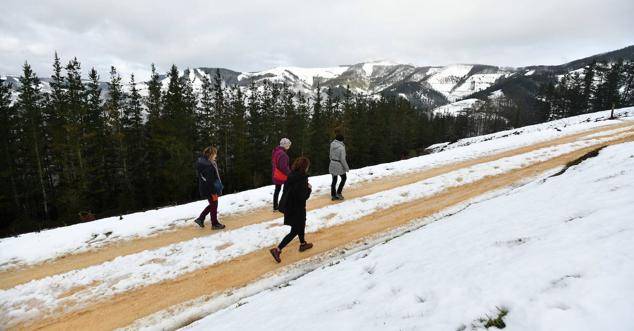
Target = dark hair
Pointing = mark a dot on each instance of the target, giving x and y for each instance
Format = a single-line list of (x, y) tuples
[(301, 164), (211, 150), (339, 134)]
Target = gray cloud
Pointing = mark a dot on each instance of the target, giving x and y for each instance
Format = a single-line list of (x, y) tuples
[(251, 36)]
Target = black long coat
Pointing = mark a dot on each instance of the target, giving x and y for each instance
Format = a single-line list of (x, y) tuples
[(206, 177), (298, 192)]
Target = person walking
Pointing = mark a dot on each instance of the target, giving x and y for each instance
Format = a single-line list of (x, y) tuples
[(338, 166), (280, 169), (209, 187), (296, 191)]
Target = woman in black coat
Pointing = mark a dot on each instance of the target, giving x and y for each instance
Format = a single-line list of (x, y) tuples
[(209, 187), (293, 203)]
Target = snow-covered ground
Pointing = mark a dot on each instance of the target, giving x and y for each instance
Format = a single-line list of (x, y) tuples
[(444, 79), (43, 297), (555, 254), (458, 107), (89, 236), (476, 83), (304, 74)]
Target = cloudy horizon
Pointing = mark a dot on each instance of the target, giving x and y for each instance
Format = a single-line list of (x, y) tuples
[(246, 36)]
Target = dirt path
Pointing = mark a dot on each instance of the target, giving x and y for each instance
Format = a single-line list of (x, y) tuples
[(67, 263), (128, 307)]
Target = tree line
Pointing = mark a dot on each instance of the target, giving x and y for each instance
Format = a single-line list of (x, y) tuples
[(77, 151), (598, 86)]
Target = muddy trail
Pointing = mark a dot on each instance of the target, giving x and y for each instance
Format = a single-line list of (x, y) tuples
[(70, 262), (124, 309)]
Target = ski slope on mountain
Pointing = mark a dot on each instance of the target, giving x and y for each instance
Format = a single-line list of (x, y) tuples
[(214, 270)]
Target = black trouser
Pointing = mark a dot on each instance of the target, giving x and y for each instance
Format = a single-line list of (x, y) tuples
[(276, 195), (334, 184), (296, 230)]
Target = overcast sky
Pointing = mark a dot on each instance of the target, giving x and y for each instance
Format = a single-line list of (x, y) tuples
[(258, 35)]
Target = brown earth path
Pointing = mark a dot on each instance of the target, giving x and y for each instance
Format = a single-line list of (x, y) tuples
[(13, 277), (124, 309)]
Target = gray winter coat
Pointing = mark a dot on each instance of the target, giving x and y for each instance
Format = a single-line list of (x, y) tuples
[(338, 164)]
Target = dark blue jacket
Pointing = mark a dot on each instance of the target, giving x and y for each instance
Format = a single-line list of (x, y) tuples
[(206, 177)]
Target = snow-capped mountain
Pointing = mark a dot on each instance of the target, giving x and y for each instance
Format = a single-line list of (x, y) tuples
[(426, 86), (429, 86)]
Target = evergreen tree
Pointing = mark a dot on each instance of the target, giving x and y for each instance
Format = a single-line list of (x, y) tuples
[(57, 119), (74, 188), (575, 96), (175, 140), (116, 152), (300, 127), (331, 111), (222, 121), (153, 160), (358, 136), (258, 148), (136, 146), (610, 89), (190, 103), (239, 175), (31, 143), (628, 84), (588, 86), (9, 198), (96, 141), (205, 115), (319, 136)]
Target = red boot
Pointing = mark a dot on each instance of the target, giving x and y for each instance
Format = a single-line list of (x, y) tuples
[(276, 254), (305, 246)]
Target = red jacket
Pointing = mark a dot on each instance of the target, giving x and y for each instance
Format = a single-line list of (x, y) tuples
[(279, 160)]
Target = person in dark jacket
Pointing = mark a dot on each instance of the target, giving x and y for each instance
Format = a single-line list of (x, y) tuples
[(209, 187), (280, 169), (338, 166), (297, 191)]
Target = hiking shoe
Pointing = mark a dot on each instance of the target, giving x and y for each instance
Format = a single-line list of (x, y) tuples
[(305, 246), (339, 196), (276, 254), (217, 226), (200, 222), (334, 197)]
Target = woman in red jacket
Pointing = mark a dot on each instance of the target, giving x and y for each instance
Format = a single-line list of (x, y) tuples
[(280, 170)]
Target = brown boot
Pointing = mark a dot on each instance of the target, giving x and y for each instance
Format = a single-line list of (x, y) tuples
[(276, 254), (305, 246)]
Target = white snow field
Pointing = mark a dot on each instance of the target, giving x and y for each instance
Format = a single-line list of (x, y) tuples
[(458, 107), (555, 254), (54, 243)]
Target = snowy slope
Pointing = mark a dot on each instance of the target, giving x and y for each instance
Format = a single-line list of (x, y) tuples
[(290, 74), (458, 107), (83, 237), (556, 254), (445, 79), (43, 297)]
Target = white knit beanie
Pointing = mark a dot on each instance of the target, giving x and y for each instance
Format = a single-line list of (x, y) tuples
[(285, 142)]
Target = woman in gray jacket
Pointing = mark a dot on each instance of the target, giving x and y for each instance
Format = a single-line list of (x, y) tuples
[(338, 166)]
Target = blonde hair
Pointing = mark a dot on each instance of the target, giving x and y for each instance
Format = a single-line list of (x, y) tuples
[(209, 151)]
